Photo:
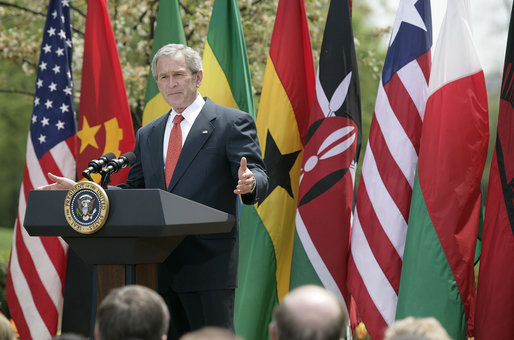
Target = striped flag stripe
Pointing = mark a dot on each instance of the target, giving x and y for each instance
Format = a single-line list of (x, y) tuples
[(412, 75), (387, 165), (386, 255), (23, 297), (397, 140), (402, 105), (377, 285), (387, 211), (363, 297)]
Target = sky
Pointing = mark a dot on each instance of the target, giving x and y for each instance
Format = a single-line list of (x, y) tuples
[(490, 25)]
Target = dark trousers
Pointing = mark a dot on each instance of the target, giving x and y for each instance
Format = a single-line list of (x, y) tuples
[(192, 311), (78, 294)]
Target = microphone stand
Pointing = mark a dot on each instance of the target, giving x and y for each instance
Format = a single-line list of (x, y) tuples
[(106, 179), (87, 176)]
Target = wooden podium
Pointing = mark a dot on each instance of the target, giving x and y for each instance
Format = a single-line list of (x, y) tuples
[(142, 229)]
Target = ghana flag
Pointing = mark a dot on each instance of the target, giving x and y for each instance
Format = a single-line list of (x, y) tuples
[(267, 230), (226, 74), (437, 276), (168, 30)]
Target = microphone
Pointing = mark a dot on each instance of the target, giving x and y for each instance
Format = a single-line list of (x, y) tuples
[(115, 165), (95, 166)]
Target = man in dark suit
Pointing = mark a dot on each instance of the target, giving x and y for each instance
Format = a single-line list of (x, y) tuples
[(220, 158)]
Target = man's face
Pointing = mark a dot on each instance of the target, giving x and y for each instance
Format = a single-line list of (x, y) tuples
[(178, 85)]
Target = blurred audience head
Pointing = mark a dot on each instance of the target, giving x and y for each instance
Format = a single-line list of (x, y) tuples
[(132, 312), (309, 313), (6, 331), (210, 333), (412, 328)]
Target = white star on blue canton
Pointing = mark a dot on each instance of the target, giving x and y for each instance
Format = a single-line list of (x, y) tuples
[(64, 108), (409, 14), (42, 139)]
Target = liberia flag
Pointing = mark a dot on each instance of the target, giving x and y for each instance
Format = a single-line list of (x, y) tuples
[(37, 266), (438, 262), (385, 187)]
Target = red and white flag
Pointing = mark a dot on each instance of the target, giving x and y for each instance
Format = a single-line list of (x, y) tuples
[(385, 187), (37, 267)]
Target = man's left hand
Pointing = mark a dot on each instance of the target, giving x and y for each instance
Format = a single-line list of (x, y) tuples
[(246, 182)]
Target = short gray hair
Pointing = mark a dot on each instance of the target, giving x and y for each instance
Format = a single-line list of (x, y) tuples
[(132, 312), (193, 58)]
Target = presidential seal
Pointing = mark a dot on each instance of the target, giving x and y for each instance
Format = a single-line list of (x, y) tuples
[(86, 207)]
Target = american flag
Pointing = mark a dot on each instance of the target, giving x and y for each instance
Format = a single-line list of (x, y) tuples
[(388, 170), (37, 266)]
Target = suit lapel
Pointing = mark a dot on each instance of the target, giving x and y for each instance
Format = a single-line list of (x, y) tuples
[(154, 144), (200, 132)]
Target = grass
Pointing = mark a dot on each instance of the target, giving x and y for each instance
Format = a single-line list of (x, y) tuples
[(5, 243)]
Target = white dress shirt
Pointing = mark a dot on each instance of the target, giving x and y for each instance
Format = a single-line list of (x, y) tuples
[(190, 114)]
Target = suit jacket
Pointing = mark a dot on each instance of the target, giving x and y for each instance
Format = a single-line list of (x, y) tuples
[(206, 172)]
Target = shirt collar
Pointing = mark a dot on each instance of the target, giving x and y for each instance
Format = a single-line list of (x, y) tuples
[(191, 112)]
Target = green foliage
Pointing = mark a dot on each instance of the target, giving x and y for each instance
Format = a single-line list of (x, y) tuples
[(5, 248), (370, 49), (15, 114)]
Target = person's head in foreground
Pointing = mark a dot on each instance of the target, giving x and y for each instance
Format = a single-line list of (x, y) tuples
[(132, 312), (6, 331), (412, 328), (210, 333), (308, 313)]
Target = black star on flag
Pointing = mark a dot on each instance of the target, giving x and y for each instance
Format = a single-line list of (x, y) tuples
[(278, 166)]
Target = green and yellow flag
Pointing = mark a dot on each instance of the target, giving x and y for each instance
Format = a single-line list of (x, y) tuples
[(267, 230), (168, 30), (226, 77)]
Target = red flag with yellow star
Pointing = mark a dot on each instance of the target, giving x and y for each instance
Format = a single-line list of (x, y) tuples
[(105, 123)]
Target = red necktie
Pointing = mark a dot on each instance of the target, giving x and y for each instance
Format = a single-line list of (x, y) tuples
[(174, 148)]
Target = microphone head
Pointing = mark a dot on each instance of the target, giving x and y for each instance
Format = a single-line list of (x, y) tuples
[(131, 157), (109, 156)]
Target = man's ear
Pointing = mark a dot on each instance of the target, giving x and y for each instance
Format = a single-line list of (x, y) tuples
[(273, 331), (97, 332), (199, 78)]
